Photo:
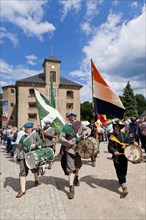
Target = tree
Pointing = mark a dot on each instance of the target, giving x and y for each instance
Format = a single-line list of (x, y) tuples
[(129, 101), (86, 111), (141, 103), (1, 96)]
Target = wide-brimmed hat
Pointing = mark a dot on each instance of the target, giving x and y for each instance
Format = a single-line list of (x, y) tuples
[(71, 113), (119, 123), (28, 125)]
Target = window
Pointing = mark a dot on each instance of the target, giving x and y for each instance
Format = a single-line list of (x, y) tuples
[(32, 104), (69, 94), (31, 92), (12, 91), (69, 105), (52, 76), (11, 117), (32, 116), (12, 104)]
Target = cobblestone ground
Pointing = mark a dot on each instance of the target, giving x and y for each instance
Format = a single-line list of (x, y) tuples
[(42, 202), (98, 197)]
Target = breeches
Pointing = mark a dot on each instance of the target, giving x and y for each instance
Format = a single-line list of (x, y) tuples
[(121, 168), (24, 169), (73, 162)]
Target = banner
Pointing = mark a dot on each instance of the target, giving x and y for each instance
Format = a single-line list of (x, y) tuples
[(5, 110), (47, 112), (106, 101)]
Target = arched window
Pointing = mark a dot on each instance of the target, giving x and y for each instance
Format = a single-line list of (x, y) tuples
[(52, 76)]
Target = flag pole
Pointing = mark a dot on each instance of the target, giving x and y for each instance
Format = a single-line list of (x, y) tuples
[(92, 88)]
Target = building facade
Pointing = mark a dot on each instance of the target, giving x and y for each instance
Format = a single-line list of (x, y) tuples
[(20, 98)]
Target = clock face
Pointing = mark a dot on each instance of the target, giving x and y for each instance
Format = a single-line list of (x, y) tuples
[(52, 67)]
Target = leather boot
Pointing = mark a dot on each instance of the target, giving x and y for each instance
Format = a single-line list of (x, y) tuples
[(20, 194), (125, 191), (22, 186), (71, 192), (76, 181), (36, 179)]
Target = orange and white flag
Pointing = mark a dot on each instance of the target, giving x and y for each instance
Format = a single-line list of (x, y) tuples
[(106, 101)]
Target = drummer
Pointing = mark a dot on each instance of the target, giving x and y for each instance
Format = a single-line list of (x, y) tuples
[(70, 160), (117, 150), (94, 134), (48, 133), (29, 141)]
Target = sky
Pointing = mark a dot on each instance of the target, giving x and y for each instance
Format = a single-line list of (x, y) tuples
[(110, 32)]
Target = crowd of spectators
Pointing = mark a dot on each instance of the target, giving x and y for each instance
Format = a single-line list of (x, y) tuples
[(135, 127)]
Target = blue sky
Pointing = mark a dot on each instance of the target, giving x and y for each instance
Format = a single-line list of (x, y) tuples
[(111, 32)]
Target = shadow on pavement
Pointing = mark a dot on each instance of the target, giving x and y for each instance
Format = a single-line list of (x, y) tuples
[(15, 185), (60, 182), (93, 182), (11, 182)]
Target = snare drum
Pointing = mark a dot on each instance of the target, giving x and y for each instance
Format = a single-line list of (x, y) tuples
[(88, 147), (39, 157), (133, 153)]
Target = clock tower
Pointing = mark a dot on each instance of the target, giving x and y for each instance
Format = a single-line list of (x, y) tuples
[(52, 74), (52, 70)]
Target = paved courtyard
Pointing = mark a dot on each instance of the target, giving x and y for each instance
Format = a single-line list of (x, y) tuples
[(98, 197)]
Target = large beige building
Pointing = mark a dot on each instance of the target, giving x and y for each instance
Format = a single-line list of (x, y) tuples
[(20, 98)]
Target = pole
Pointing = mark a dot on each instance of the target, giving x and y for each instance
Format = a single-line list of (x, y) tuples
[(92, 88)]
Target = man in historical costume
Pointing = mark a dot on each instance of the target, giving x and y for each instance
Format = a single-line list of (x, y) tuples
[(94, 134), (117, 150), (48, 139), (28, 142), (71, 162)]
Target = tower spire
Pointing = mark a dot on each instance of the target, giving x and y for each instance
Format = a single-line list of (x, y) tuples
[(51, 51)]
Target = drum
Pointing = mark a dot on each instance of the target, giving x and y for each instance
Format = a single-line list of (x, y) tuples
[(39, 157), (88, 147), (133, 153)]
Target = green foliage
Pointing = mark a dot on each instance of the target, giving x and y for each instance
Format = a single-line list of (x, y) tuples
[(141, 103), (86, 111), (129, 101), (1, 96)]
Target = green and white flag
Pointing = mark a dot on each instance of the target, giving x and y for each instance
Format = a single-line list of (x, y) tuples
[(53, 104), (47, 112)]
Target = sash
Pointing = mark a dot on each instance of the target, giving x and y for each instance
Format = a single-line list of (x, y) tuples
[(26, 141)]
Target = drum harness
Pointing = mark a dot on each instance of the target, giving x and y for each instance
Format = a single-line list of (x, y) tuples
[(30, 146)]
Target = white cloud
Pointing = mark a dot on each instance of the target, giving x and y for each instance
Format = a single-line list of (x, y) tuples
[(86, 28), (118, 51), (27, 15), (134, 4), (69, 5), (91, 8), (4, 33), (8, 71), (79, 74), (115, 2), (31, 59)]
